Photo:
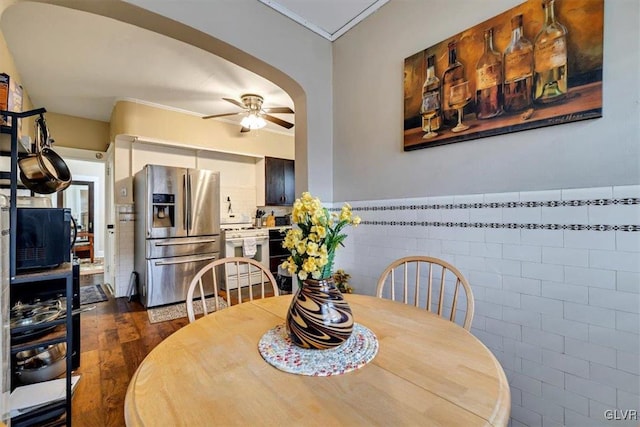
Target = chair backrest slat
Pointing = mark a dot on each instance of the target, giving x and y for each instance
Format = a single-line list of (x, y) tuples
[(215, 288), (405, 284), (202, 298), (458, 280), (416, 295), (430, 286), (455, 301), (238, 285), (393, 285), (441, 297)]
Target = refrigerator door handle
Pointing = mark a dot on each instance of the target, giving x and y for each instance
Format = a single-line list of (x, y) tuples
[(189, 201), (187, 260), (185, 211), (186, 242)]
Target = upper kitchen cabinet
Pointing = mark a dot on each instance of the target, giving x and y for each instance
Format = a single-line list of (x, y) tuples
[(279, 182)]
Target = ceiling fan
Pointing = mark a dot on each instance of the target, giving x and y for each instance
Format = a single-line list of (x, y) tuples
[(255, 116)]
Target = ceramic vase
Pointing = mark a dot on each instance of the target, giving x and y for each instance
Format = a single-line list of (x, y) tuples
[(319, 318)]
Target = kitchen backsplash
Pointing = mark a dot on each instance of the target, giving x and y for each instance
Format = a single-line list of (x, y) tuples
[(240, 208), (277, 210)]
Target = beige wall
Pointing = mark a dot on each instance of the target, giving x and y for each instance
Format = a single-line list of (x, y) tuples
[(76, 132), (136, 119), (68, 131), (8, 66), (142, 120)]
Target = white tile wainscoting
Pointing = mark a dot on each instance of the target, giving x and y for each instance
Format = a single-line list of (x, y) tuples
[(125, 229), (556, 279)]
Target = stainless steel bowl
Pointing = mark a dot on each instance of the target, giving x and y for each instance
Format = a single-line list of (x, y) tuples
[(41, 363)]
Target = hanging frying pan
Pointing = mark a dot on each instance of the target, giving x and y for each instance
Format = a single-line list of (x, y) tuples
[(44, 171)]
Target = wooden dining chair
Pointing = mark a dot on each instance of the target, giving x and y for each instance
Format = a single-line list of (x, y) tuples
[(415, 268), (221, 277), (83, 247)]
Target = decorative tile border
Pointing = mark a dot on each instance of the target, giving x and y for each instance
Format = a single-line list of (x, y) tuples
[(549, 204), (500, 205), (574, 227)]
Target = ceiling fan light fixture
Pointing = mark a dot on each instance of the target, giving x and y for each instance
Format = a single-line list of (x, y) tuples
[(253, 121), (254, 116)]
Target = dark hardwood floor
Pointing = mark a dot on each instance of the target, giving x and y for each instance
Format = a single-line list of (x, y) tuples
[(116, 337)]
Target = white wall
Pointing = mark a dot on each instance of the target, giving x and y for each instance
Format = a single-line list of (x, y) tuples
[(559, 307), (368, 113), (555, 276), (85, 167), (557, 299)]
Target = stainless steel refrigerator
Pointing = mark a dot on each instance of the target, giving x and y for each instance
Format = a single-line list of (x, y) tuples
[(177, 229)]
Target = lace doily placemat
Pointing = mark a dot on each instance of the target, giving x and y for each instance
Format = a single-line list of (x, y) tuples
[(276, 348)]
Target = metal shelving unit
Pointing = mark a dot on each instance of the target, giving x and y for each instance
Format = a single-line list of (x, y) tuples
[(56, 409)]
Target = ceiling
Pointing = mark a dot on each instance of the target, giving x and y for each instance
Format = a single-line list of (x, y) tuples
[(328, 18), (83, 67)]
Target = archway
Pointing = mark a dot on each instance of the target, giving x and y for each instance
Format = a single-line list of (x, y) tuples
[(142, 18)]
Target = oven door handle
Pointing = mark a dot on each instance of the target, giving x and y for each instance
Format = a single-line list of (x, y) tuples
[(259, 240), (185, 260)]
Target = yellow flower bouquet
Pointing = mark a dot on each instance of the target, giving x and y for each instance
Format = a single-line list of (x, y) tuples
[(313, 242)]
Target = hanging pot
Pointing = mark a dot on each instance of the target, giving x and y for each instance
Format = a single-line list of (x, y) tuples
[(319, 318), (44, 171)]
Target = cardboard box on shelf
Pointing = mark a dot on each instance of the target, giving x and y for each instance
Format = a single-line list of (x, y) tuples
[(10, 99), (4, 96)]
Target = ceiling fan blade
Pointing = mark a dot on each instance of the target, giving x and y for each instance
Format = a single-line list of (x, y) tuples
[(278, 121), (223, 115), (278, 110), (244, 129), (234, 102)]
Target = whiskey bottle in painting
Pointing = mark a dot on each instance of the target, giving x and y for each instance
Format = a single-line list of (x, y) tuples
[(518, 70), (431, 97), (452, 75), (489, 80), (550, 58)]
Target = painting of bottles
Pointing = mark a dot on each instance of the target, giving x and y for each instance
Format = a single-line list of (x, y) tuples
[(538, 64)]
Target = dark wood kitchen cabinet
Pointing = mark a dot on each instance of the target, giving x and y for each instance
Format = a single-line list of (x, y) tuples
[(279, 182), (278, 254)]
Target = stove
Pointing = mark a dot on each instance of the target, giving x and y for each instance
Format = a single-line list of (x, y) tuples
[(242, 230), (244, 240)]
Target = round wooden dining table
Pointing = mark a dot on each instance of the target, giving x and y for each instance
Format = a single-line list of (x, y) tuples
[(428, 372)]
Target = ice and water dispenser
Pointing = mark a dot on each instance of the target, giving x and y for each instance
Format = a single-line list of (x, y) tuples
[(163, 210)]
